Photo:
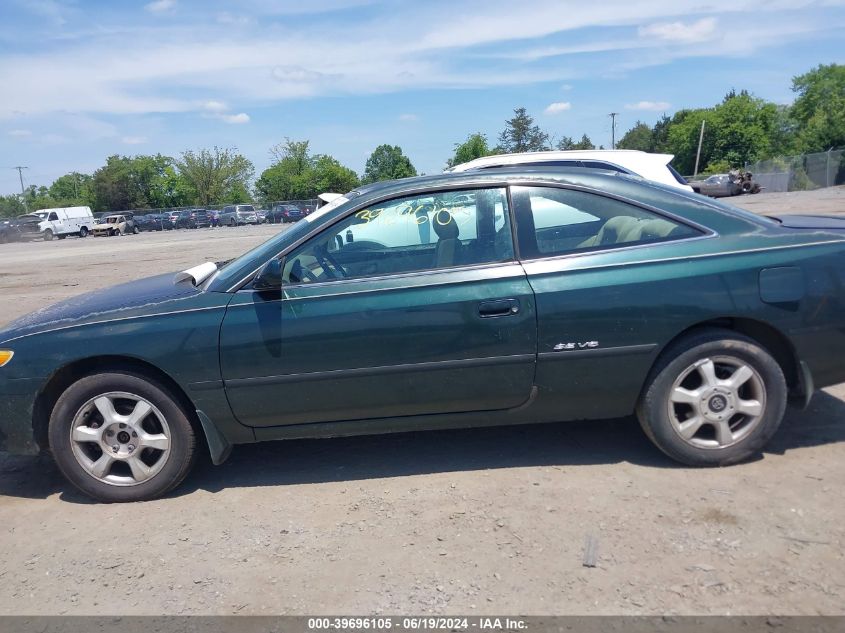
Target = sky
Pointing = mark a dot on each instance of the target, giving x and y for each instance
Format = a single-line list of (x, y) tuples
[(83, 80)]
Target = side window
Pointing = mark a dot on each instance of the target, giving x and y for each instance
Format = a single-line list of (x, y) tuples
[(441, 230), (53, 216), (568, 221)]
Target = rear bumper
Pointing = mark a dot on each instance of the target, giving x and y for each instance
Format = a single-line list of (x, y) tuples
[(17, 398)]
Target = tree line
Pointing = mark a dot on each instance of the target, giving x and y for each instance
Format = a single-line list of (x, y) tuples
[(740, 129)]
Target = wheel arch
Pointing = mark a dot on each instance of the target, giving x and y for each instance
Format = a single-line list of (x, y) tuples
[(767, 336), (46, 399)]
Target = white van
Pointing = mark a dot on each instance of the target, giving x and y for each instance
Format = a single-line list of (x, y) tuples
[(65, 221)]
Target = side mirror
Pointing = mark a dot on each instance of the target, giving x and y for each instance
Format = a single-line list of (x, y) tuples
[(270, 276)]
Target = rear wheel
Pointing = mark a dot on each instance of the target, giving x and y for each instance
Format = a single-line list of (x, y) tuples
[(121, 437), (715, 398), (83, 232)]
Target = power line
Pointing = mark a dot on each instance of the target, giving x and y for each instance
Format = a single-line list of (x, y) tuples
[(613, 116)]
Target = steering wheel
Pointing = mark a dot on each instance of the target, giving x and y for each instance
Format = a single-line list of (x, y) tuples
[(325, 258), (302, 273)]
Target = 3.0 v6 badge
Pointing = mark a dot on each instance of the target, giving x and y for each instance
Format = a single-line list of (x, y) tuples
[(561, 347)]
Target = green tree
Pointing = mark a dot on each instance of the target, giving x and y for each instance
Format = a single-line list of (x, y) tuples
[(522, 135), (640, 137), (819, 109), (329, 175), (296, 175), (73, 189), (475, 146), (387, 162), (216, 176), (11, 206)]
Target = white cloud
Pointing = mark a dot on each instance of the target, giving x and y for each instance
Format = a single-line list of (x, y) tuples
[(558, 107), (224, 17), (134, 140), (651, 106), (408, 117), (566, 87), (220, 110), (241, 117), (161, 70), (20, 133), (160, 6), (699, 31), (215, 106)]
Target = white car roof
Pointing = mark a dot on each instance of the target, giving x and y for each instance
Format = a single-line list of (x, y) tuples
[(652, 167)]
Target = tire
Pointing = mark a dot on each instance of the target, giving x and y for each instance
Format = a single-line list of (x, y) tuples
[(746, 186), (83, 232), (135, 230), (232, 223), (159, 470), (48, 235), (61, 237), (722, 423)]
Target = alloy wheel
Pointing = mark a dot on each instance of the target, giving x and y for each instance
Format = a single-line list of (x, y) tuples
[(716, 402), (120, 438)]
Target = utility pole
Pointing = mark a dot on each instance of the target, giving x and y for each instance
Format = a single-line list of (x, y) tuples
[(20, 169), (613, 116), (698, 153)]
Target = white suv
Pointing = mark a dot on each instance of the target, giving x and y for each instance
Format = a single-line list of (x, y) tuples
[(655, 167)]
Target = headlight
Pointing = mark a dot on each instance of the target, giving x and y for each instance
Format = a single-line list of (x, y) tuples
[(5, 356)]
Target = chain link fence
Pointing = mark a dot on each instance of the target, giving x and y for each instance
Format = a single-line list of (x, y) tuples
[(800, 173)]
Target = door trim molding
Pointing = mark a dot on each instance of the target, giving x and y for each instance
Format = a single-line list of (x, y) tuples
[(463, 363)]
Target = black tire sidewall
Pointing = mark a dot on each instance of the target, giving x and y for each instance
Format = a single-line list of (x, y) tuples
[(653, 410), (182, 438)]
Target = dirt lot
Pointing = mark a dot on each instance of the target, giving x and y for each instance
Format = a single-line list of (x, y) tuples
[(447, 522)]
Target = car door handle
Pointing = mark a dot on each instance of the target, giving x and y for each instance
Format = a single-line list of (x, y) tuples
[(498, 307)]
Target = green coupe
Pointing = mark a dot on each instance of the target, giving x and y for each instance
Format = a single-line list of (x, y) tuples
[(507, 296)]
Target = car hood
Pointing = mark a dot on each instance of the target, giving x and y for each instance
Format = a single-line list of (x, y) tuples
[(153, 295)]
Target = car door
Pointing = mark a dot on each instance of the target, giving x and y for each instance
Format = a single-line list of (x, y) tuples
[(601, 310), (411, 306)]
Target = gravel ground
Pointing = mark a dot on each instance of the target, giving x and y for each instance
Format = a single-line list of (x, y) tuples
[(490, 520)]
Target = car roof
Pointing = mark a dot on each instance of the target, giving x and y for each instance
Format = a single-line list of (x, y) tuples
[(570, 175)]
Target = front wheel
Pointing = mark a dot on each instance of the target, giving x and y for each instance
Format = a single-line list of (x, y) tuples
[(121, 437), (135, 230), (48, 235), (714, 398)]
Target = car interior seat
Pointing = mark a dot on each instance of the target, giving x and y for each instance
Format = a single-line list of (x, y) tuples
[(447, 250)]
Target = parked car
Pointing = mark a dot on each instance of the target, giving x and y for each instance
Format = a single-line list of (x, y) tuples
[(64, 221), (116, 224), (281, 213), (237, 215), (547, 296), (184, 220), (201, 218), (655, 167), (16, 229), (717, 186), (724, 185), (153, 222)]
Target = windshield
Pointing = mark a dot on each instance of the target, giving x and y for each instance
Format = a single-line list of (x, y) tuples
[(42, 214)]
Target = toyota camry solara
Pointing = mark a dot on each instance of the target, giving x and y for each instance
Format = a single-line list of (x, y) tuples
[(482, 298)]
